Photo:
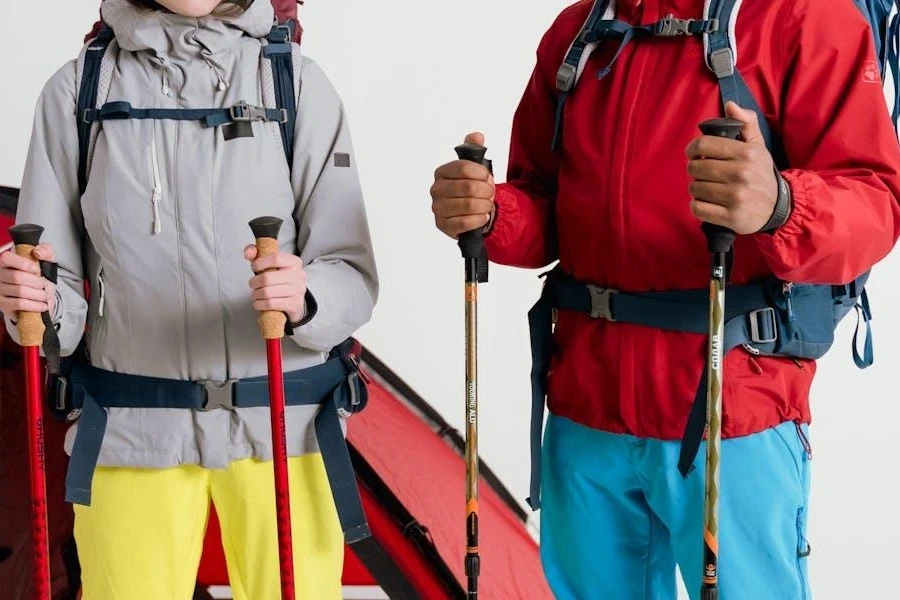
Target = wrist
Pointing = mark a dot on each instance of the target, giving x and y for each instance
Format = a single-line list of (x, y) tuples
[(783, 206)]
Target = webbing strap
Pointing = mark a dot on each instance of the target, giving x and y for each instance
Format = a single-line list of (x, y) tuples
[(87, 98), (864, 314), (732, 86), (567, 75), (50, 342), (597, 30), (684, 311), (331, 385), (212, 117), (892, 61), (279, 52)]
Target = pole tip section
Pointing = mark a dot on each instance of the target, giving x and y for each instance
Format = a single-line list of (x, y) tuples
[(728, 128), (27, 234), (266, 227), (472, 152)]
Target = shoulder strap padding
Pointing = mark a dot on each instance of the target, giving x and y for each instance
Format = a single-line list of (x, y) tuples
[(93, 79)]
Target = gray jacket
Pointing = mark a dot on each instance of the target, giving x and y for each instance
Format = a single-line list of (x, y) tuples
[(162, 226)]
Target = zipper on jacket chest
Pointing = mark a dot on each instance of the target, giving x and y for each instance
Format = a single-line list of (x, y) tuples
[(156, 181)]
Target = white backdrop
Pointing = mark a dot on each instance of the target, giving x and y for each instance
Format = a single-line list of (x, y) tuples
[(412, 93)]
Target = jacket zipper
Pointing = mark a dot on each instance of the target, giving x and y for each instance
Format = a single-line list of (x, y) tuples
[(787, 289), (157, 184), (102, 302)]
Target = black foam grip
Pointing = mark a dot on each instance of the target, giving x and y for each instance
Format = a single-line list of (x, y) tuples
[(720, 239), (26, 233), (266, 227)]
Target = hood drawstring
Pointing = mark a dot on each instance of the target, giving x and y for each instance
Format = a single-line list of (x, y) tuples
[(166, 90), (219, 74)]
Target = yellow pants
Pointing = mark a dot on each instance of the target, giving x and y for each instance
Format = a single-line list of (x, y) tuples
[(142, 536)]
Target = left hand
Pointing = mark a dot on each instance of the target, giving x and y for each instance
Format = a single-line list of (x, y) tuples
[(733, 182), (283, 289)]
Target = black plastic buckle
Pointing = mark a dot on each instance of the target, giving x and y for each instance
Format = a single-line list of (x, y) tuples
[(565, 77), (806, 551), (601, 300), (280, 34), (763, 320), (217, 394)]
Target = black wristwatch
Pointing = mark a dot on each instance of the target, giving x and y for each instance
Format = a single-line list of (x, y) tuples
[(783, 206)]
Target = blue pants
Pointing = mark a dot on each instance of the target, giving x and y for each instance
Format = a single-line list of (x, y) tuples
[(617, 516)]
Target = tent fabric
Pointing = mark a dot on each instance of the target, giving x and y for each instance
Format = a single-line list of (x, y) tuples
[(408, 462)]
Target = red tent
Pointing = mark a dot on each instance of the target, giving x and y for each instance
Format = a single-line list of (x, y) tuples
[(406, 458)]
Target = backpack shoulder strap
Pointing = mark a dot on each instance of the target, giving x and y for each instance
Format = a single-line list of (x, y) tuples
[(721, 50), (93, 75), (576, 58), (280, 74)]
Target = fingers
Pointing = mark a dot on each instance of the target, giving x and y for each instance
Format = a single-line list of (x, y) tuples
[(43, 252), (720, 171), (29, 279), (285, 305), (713, 147), (476, 137), (11, 260), (454, 226), (281, 260), (710, 213), (279, 277), (275, 291), (8, 290), (462, 169), (9, 306)]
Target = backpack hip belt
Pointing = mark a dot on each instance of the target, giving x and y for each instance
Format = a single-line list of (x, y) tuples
[(335, 386), (770, 318)]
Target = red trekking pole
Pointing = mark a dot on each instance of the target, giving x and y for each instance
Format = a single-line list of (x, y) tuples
[(271, 324), (31, 332)]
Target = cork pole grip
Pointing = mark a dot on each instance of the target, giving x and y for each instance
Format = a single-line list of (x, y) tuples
[(29, 324), (265, 229)]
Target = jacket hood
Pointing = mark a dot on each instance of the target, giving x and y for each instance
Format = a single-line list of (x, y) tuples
[(167, 34)]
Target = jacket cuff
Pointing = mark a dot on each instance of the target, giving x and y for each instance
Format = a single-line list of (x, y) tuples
[(505, 209), (789, 236), (311, 307)]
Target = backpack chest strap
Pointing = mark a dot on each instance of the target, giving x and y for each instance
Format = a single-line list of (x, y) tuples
[(212, 117)]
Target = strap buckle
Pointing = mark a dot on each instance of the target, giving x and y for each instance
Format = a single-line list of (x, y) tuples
[(601, 307), (565, 77), (244, 113), (217, 394), (763, 321), (670, 26)]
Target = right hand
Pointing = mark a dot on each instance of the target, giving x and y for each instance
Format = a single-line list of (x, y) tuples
[(21, 286), (462, 194)]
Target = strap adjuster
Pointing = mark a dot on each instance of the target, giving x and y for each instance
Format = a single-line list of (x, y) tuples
[(722, 62), (763, 326), (601, 307), (217, 394), (565, 77)]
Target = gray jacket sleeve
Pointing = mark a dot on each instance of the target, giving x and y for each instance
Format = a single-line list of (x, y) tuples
[(50, 198), (333, 236)]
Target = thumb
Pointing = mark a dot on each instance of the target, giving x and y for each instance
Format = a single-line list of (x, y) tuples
[(751, 133), (476, 137), (250, 252)]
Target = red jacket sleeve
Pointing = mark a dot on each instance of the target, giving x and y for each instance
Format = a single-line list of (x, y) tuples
[(523, 233), (840, 142)]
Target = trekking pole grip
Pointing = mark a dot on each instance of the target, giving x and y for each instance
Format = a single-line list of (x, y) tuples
[(471, 243), (265, 230), (720, 239), (30, 325)]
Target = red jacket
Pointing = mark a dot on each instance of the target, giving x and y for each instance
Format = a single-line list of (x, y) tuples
[(613, 205)]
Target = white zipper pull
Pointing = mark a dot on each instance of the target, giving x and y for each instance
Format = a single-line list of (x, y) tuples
[(157, 185), (102, 303)]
